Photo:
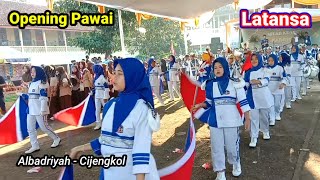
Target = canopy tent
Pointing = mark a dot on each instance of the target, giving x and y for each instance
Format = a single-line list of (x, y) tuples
[(180, 10), (9, 55)]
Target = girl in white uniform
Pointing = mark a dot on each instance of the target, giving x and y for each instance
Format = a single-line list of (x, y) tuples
[(276, 86), (173, 77), (259, 97), (297, 63), (154, 73), (100, 91), (221, 113), (128, 124), (286, 64), (38, 109)]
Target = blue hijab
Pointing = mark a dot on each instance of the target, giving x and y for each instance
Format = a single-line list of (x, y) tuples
[(296, 54), (149, 66), (275, 59), (222, 81), (40, 74), (98, 71), (285, 59), (137, 86), (247, 78), (171, 63)]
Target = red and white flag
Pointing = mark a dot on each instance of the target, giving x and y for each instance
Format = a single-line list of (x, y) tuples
[(81, 115)]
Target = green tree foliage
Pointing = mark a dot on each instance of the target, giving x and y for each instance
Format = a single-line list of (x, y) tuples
[(106, 39)]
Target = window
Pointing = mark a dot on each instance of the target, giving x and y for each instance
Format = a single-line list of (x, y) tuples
[(26, 36), (60, 39), (287, 5), (39, 38), (3, 37), (16, 37)]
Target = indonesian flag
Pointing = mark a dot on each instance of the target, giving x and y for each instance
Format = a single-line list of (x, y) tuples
[(13, 125), (188, 90), (81, 115), (173, 52), (182, 169)]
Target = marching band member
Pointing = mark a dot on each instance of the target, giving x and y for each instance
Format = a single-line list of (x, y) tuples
[(38, 109), (296, 72), (154, 73), (234, 67), (128, 124), (205, 69), (221, 113), (100, 91), (314, 51), (286, 64), (259, 97), (305, 80), (276, 86), (173, 77)]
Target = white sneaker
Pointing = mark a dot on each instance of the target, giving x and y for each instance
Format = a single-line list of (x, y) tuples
[(266, 136), (278, 118), (253, 142), (288, 106), (272, 123), (308, 87), (281, 110), (303, 94), (221, 176), (56, 143), (293, 100), (32, 149), (299, 98), (236, 169), (98, 126)]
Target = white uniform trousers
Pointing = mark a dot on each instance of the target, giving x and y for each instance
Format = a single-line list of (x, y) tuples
[(288, 95), (259, 120), (173, 86), (99, 103), (305, 84), (44, 126), (296, 87), (275, 109), (221, 138), (156, 91), (282, 102)]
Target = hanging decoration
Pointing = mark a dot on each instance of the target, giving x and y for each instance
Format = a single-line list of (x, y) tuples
[(141, 17), (101, 9), (307, 2), (50, 4)]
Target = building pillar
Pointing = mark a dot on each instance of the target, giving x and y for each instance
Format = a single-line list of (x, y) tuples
[(44, 40), (65, 40), (21, 40)]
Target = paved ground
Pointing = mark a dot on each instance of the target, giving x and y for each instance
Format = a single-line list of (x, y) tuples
[(293, 151)]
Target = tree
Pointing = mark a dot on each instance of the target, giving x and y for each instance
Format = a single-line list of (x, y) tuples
[(106, 39), (101, 40)]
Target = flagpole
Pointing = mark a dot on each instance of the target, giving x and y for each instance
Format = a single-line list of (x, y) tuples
[(121, 33)]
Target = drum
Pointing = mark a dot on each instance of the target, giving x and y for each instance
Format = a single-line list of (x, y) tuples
[(314, 71), (307, 71), (312, 61), (206, 56)]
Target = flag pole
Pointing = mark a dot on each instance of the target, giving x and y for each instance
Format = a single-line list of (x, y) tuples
[(121, 33)]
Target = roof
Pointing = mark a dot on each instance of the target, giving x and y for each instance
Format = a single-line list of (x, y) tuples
[(7, 6), (181, 10)]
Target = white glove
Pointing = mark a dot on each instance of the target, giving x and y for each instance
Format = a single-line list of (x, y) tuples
[(90, 93)]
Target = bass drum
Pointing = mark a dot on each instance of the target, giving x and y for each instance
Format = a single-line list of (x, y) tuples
[(307, 71), (313, 61), (314, 71)]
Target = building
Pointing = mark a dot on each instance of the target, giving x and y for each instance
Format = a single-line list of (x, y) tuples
[(43, 44)]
